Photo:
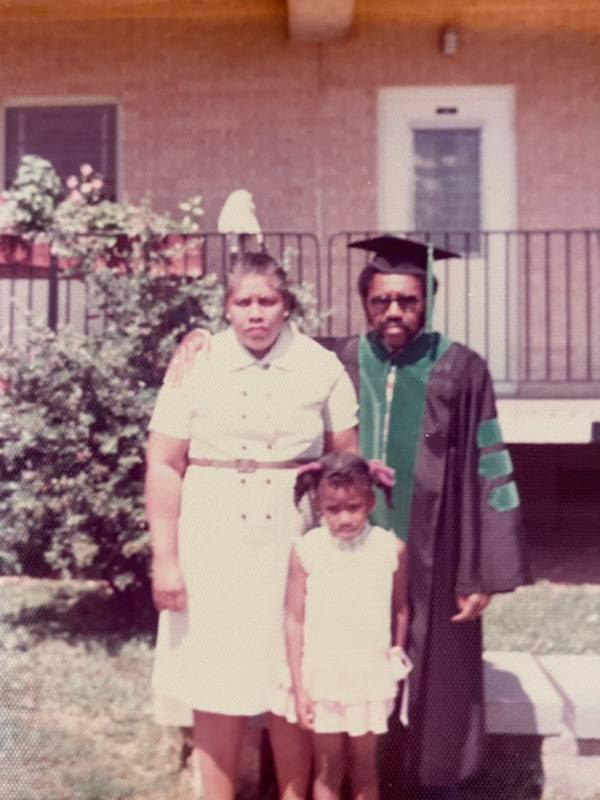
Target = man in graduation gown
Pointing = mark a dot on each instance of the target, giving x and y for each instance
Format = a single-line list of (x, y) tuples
[(427, 409)]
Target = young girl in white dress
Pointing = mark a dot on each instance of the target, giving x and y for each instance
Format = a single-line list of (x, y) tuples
[(345, 625)]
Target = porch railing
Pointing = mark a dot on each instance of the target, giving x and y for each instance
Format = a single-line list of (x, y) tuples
[(528, 301), (35, 287)]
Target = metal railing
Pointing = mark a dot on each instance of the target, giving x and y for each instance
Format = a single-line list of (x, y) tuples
[(36, 286), (528, 301)]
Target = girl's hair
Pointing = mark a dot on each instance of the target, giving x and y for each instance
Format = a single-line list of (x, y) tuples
[(343, 469), (261, 263)]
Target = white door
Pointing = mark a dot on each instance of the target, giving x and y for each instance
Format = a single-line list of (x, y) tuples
[(447, 164)]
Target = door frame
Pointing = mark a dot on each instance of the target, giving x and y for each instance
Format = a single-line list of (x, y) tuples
[(489, 108)]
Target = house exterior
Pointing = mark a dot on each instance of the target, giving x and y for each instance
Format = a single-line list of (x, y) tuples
[(475, 121)]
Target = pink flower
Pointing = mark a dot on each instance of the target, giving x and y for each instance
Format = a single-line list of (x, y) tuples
[(86, 187), (71, 182), (86, 170)]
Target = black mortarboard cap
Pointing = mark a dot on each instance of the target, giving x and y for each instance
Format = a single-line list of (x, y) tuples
[(395, 254)]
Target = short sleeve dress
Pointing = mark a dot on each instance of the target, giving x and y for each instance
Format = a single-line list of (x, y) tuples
[(236, 528), (348, 667)]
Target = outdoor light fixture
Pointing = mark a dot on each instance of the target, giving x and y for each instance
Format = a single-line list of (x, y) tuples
[(449, 41)]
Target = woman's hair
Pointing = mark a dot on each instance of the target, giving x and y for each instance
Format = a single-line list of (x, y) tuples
[(261, 263), (347, 470)]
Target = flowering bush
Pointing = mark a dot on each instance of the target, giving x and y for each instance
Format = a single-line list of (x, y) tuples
[(27, 208), (93, 232), (87, 230), (73, 424), (88, 186), (74, 415)]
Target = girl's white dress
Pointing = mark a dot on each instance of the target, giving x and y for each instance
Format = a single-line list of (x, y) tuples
[(349, 668), (236, 527)]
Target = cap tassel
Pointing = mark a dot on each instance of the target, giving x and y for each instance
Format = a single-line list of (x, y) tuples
[(429, 289)]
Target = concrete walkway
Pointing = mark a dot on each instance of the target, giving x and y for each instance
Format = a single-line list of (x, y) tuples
[(556, 697)]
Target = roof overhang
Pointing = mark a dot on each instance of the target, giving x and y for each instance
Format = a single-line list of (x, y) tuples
[(314, 20)]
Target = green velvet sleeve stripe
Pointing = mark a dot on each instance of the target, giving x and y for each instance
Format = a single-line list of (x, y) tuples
[(495, 465), (504, 497), (489, 433)]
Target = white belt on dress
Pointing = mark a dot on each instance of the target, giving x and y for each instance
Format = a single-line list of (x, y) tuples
[(248, 464)]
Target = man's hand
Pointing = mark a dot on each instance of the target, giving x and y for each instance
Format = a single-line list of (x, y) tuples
[(168, 587), (305, 710), (470, 606), (184, 357)]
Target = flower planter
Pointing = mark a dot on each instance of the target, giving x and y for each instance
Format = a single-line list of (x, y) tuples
[(173, 254), (18, 252)]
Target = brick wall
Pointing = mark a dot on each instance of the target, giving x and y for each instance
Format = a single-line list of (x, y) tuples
[(208, 108)]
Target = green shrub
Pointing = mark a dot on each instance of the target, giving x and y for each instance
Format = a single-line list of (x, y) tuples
[(73, 421), (73, 424)]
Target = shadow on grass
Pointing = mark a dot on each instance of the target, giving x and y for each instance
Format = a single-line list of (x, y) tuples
[(90, 616)]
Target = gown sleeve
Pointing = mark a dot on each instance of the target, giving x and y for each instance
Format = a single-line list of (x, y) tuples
[(492, 556)]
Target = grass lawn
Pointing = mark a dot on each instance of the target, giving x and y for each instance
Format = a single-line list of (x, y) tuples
[(74, 689), (545, 618), (75, 701)]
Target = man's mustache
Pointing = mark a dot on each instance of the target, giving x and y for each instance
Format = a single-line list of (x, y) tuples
[(395, 322)]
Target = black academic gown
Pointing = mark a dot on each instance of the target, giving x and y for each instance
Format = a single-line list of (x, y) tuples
[(457, 506)]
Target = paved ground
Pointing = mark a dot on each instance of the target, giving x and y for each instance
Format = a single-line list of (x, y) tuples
[(571, 769), (568, 775)]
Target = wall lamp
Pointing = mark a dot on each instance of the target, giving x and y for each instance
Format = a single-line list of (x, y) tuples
[(449, 40)]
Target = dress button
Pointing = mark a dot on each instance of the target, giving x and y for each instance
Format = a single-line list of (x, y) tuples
[(268, 481), (243, 447), (243, 516), (244, 416), (266, 366), (269, 447), (243, 480), (268, 516)]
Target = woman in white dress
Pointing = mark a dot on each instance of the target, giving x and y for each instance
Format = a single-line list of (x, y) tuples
[(222, 454)]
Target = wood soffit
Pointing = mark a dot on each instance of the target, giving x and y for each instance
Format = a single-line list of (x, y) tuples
[(325, 17)]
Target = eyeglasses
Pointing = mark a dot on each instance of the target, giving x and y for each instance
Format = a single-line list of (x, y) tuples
[(382, 302)]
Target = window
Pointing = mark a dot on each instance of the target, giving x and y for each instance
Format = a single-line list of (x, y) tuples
[(67, 135), (447, 183)]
